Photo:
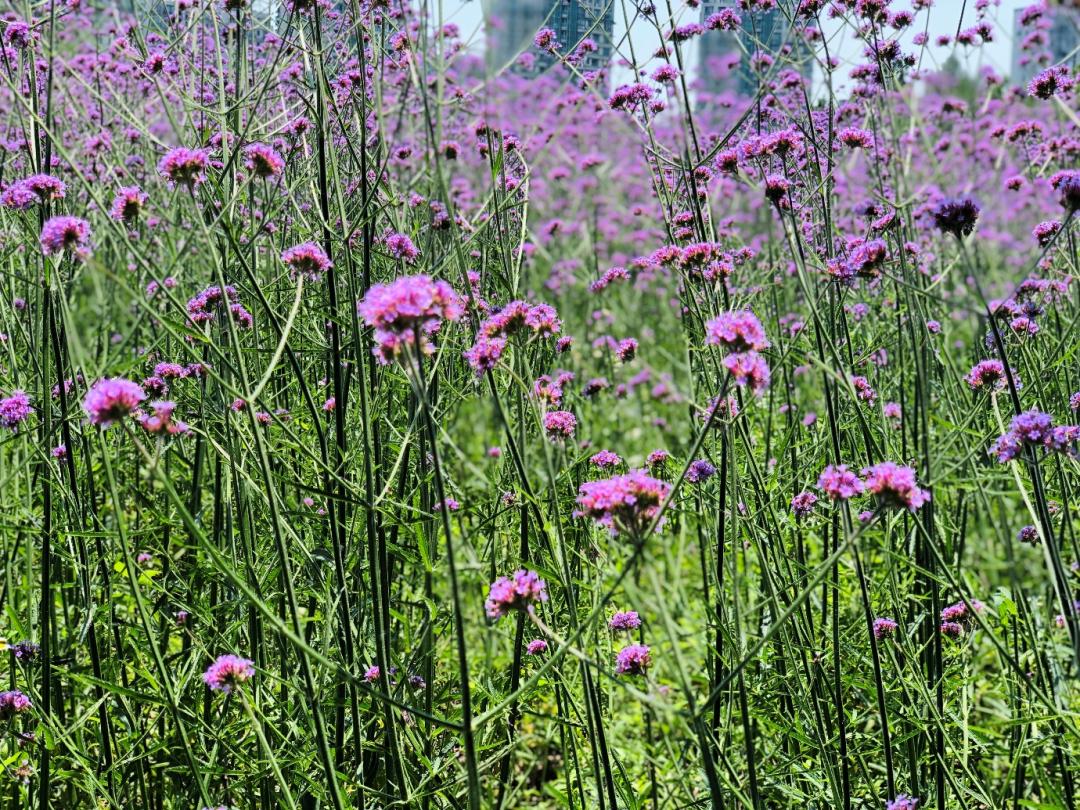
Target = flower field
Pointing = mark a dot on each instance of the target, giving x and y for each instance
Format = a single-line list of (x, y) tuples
[(384, 427)]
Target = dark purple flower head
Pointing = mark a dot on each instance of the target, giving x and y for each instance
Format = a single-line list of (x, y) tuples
[(802, 504), (700, 470), (956, 215), (1067, 185)]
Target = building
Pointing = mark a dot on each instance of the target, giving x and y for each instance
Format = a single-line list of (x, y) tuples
[(1056, 33), (517, 21), (761, 32)]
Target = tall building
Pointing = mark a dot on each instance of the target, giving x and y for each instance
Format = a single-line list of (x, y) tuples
[(760, 32), (517, 22), (1056, 33)]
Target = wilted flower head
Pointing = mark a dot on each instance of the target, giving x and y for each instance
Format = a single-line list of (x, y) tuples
[(228, 671), (803, 504), (519, 592), (884, 627)]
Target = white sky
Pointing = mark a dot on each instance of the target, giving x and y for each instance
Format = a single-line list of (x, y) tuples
[(469, 16)]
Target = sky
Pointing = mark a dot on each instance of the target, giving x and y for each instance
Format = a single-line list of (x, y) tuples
[(469, 16)]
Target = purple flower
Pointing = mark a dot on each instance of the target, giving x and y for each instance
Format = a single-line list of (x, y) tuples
[(401, 247), (604, 459), (884, 627), (517, 593), (110, 400), (228, 671), (840, 483), (700, 470), (623, 503), (15, 409), (748, 369), (65, 233), (38, 188), (13, 702), (902, 802), (405, 307), (184, 167), (988, 375), (625, 621), (307, 259), (127, 204), (894, 485), (803, 504), (956, 215), (536, 647), (262, 161), (738, 331), (632, 660), (559, 425)]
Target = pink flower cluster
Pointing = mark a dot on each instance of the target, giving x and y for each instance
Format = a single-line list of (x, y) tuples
[(624, 503), (307, 260), (633, 659), (227, 672), (65, 233), (494, 332), (203, 307), (894, 486), (15, 409), (111, 399), (519, 592), (410, 308)]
